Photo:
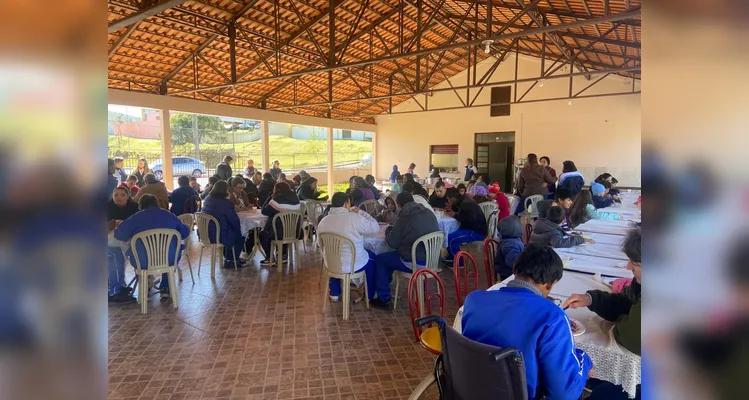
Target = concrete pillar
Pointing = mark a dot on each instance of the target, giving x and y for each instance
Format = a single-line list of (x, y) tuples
[(266, 146), (166, 150), (330, 162), (374, 159)]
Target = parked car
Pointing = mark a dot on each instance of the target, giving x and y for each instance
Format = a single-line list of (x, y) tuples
[(181, 165)]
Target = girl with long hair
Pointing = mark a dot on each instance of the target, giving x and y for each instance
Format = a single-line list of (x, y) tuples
[(583, 210), (140, 172)]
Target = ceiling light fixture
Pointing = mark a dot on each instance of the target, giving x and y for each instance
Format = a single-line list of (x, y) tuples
[(569, 103), (541, 83), (487, 45)]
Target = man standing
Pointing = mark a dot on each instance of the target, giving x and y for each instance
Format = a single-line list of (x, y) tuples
[(470, 169), (111, 180), (414, 221), (351, 223), (223, 170), (119, 171), (276, 170)]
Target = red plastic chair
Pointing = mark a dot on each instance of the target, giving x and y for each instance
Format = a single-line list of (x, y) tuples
[(420, 305), (490, 253), (464, 267), (191, 205)]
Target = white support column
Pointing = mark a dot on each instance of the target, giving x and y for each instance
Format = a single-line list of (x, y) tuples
[(330, 162), (265, 145), (166, 150), (374, 157)]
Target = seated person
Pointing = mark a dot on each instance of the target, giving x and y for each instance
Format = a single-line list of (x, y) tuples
[(543, 207), (237, 195), (583, 210), (613, 190), (519, 315), (624, 308), (282, 200), (462, 189), (282, 178), (409, 187), (414, 221), (211, 181), (265, 189), (600, 200), (564, 200), (308, 191), (548, 231), (437, 199), (472, 222), (156, 189), (194, 184), (363, 191), (220, 207), (371, 182), (389, 213), (495, 194), (120, 208), (130, 184), (353, 224), (510, 246), (151, 216), (181, 197)]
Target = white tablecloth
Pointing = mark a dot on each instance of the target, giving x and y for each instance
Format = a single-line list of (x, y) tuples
[(602, 238), (594, 265), (250, 220), (603, 250), (611, 362), (604, 226)]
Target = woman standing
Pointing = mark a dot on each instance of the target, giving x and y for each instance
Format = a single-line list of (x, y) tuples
[(394, 175), (140, 172), (534, 179), (546, 163)]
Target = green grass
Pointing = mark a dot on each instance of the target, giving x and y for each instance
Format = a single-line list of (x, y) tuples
[(292, 153), (337, 187)]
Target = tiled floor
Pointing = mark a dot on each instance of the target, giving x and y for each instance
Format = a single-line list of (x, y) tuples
[(258, 334)]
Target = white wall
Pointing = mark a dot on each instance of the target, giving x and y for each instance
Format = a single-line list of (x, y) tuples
[(598, 134)]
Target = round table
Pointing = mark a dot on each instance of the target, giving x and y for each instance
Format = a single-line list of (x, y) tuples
[(251, 219)]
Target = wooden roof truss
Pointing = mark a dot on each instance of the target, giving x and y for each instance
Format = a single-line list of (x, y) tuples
[(354, 59)]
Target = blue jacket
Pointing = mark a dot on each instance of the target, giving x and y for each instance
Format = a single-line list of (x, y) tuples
[(602, 202), (178, 198), (571, 181), (519, 318), (111, 186), (222, 209), (151, 218), (508, 251)]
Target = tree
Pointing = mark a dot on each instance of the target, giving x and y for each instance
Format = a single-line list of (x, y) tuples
[(183, 129)]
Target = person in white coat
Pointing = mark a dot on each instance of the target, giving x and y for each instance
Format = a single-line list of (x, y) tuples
[(353, 224)]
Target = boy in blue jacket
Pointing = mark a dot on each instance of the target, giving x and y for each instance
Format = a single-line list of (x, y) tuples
[(599, 191), (519, 315), (510, 246)]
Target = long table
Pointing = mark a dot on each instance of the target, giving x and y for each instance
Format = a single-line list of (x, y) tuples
[(611, 362)]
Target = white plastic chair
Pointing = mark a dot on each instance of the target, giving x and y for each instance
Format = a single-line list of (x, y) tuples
[(204, 221), (530, 205), (156, 243), (312, 210), (332, 245), (189, 221), (290, 221), (433, 243), (511, 201), (489, 207), (370, 206)]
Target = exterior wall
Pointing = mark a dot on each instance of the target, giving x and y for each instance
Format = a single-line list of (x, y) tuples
[(598, 134)]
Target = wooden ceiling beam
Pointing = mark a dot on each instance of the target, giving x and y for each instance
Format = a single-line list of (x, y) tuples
[(143, 14)]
